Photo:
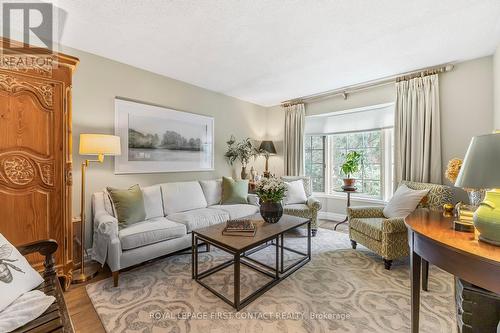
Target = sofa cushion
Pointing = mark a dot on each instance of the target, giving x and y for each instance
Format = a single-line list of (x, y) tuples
[(153, 203), (234, 191), (371, 227), (128, 205), (180, 197), (150, 232), (212, 189), (237, 211), (199, 218)]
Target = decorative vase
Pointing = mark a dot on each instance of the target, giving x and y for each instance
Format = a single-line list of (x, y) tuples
[(271, 212), (244, 173), (487, 218)]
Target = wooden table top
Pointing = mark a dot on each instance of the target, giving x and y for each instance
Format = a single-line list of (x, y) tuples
[(265, 231), (439, 228)]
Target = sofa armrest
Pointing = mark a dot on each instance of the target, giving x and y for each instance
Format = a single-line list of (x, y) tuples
[(393, 226), (106, 225), (365, 212), (313, 203), (253, 199)]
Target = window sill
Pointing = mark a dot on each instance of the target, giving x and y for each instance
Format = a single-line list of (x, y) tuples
[(353, 198)]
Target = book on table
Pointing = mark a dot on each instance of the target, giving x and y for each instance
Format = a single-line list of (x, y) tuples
[(241, 227)]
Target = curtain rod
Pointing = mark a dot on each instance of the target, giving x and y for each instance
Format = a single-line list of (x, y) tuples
[(370, 84)]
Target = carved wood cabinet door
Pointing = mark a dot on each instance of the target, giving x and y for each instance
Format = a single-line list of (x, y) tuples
[(35, 162)]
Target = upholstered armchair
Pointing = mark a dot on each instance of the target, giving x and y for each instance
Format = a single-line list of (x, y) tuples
[(309, 209), (389, 237)]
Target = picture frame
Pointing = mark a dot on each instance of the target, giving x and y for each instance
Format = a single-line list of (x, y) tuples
[(156, 139)]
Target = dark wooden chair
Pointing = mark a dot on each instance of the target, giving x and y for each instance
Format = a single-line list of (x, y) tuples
[(56, 317)]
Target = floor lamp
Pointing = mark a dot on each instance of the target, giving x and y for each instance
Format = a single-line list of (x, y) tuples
[(99, 145)]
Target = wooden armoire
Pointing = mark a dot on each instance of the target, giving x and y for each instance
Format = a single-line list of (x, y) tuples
[(35, 152)]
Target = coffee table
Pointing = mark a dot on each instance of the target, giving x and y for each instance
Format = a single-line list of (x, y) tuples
[(241, 248)]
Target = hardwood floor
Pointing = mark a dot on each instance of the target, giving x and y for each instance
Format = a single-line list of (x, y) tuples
[(83, 315)]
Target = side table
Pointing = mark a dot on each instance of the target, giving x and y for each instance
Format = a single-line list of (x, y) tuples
[(348, 205)]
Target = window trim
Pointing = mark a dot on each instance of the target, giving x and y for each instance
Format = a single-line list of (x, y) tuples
[(386, 173)]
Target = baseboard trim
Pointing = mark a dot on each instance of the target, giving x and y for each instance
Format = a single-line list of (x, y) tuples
[(331, 216)]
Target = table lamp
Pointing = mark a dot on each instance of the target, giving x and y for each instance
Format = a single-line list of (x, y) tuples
[(267, 147), (480, 169), (100, 145)]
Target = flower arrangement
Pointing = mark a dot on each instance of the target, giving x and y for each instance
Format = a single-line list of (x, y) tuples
[(270, 189), (453, 169)]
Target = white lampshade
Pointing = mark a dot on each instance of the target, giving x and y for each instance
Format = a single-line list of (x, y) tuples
[(480, 169), (99, 144)]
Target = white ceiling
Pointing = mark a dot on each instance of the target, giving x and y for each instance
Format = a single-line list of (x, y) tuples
[(267, 51)]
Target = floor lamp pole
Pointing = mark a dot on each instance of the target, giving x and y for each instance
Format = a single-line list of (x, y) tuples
[(81, 276)]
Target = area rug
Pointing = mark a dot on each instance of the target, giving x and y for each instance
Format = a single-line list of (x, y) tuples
[(340, 290)]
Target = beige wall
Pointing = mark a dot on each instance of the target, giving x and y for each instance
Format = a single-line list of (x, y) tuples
[(466, 96), (496, 86), (98, 80)]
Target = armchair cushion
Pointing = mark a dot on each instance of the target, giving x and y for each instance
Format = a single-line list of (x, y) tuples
[(371, 227), (295, 193), (404, 201), (305, 180)]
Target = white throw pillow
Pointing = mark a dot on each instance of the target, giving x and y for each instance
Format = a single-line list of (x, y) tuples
[(295, 192), (153, 204), (403, 202), (24, 309), (212, 190), (16, 274)]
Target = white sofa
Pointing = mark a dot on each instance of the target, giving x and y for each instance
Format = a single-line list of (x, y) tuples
[(173, 210)]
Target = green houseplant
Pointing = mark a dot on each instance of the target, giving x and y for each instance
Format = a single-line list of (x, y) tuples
[(242, 151), (351, 165), (271, 192)]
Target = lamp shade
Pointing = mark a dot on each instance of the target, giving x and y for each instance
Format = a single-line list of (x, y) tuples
[(480, 169), (99, 144), (268, 146)]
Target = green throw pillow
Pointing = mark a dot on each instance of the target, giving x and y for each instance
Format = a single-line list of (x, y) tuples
[(129, 205), (234, 191)]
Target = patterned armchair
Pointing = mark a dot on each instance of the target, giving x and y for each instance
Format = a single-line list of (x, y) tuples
[(389, 237), (308, 210)]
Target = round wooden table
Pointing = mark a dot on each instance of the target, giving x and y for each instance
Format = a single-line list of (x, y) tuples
[(432, 239)]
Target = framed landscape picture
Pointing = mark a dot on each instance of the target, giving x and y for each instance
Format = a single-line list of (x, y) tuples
[(158, 139)]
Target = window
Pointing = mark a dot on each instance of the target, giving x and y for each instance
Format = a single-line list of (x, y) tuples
[(374, 179), (315, 161), (368, 131)]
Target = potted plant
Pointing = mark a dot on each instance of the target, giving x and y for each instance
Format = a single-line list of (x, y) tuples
[(242, 151), (351, 165), (271, 192)]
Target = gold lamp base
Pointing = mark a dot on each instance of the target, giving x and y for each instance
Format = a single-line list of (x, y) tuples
[(82, 277)]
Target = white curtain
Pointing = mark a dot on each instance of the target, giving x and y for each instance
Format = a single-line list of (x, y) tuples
[(294, 140), (417, 131)]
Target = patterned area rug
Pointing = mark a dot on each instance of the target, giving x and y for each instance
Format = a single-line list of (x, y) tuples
[(340, 290)]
